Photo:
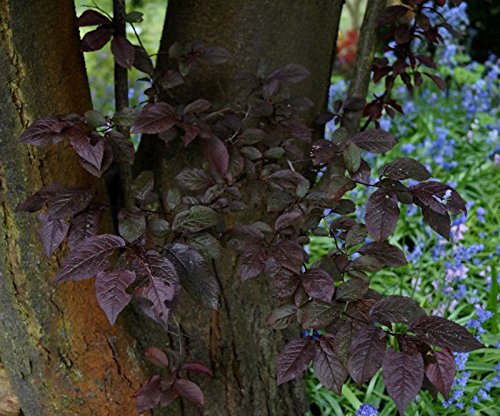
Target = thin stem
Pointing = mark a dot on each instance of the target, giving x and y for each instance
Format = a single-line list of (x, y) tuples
[(121, 101)]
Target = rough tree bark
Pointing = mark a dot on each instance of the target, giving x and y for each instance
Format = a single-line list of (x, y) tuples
[(235, 340), (60, 353)]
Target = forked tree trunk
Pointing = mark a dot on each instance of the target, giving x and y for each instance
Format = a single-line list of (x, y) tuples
[(235, 340), (60, 353)]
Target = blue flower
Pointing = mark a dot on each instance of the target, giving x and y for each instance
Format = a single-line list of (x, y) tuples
[(367, 410)]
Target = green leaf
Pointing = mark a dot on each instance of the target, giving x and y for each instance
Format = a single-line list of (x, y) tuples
[(352, 157), (195, 219)]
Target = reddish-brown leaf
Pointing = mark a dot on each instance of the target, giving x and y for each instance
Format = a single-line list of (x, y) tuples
[(149, 395), (441, 372), (155, 118), (95, 39), (318, 284), (89, 257), (382, 214), (111, 292), (294, 358), (52, 233), (366, 353), (123, 51), (445, 333), (330, 371), (403, 376), (190, 391), (156, 357)]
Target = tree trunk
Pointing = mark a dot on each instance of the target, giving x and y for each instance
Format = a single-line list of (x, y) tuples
[(235, 340), (61, 355)]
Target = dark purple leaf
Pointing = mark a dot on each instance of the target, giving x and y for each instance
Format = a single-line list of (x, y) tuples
[(286, 220), (84, 225), (441, 372), (111, 292), (252, 262), (197, 368), (386, 253), (95, 39), (317, 314), (198, 106), (342, 340), (439, 222), (382, 214), (285, 283), (168, 396), (366, 263), (366, 353), (89, 151), (351, 290), (131, 223), (149, 395), (89, 257), (156, 357), (68, 202), (327, 367), (155, 118), (289, 254), (323, 151), (195, 275), (445, 334), (296, 129), (318, 284), (405, 168), (374, 140), (439, 197), (160, 293), (294, 358), (282, 317), (437, 80), (190, 391), (363, 173), (106, 162), (45, 131), (52, 233), (403, 376), (215, 152), (291, 74), (426, 60), (396, 309), (123, 51), (92, 18), (142, 60)]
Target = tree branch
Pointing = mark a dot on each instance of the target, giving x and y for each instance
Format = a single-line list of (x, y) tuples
[(360, 78), (121, 100)]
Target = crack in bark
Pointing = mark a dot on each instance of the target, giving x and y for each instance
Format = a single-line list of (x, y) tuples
[(15, 61), (123, 375)]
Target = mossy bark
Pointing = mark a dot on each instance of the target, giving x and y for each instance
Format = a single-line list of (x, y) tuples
[(60, 353), (235, 340)]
